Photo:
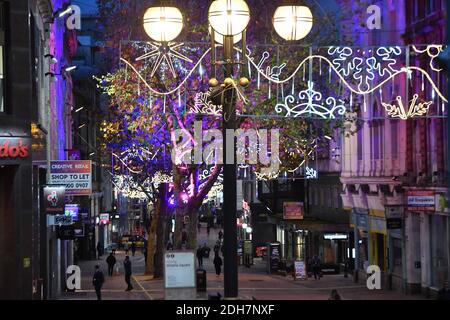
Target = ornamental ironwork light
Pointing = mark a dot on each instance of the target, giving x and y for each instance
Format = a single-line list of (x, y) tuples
[(229, 17), (293, 23), (163, 24)]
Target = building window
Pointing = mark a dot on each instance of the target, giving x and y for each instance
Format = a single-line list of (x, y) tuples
[(430, 7), (394, 139)]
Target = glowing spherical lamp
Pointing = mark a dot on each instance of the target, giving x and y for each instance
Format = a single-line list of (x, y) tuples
[(163, 24), (293, 23), (229, 17), (219, 38)]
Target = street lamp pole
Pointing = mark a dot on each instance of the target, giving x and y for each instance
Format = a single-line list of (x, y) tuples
[(229, 182)]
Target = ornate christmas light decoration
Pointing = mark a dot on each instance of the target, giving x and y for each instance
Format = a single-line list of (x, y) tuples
[(433, 51), (164, 52), (364, 69), (311, 173), (266, 177), (204, 105), (415, 109), (160, 177), (309, 103)]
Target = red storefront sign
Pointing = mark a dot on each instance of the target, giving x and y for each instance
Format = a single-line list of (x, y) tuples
[(421, 200), (293, 211), (14, 148)]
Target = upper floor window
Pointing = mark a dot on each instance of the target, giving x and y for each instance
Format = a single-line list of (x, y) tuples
[(430, 7)]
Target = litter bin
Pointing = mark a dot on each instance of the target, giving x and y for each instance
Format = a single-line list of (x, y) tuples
[(201, 280)]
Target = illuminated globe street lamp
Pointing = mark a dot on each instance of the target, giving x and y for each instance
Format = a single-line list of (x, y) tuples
[(163, 24), (228, 21)]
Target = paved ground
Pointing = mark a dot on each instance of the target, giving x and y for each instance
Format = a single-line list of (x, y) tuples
[(254, 283)]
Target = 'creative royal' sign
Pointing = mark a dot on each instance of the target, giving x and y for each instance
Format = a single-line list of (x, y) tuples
[(75, 175)]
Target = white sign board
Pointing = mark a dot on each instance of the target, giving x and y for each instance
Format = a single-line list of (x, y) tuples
[(300, 270), (76, 176), (179, 269)]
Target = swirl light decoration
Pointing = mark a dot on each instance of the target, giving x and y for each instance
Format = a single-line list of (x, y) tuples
[(310, 104)]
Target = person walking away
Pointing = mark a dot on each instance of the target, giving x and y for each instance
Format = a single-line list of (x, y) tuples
[(97, 281), (220, 235), (218, 264), (316, 267), (111, 261), (127, 267), (444, 294), (217, 247), (133, 248), (200, 254), (208, 229), (99, 250), (126, 247)]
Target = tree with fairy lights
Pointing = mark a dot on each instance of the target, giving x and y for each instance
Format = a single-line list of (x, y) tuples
[(154, 95)]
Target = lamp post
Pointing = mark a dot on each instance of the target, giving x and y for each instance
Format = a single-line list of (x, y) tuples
[(228, 21)]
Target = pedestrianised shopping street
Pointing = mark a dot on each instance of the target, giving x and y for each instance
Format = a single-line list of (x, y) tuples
[(234, 150)]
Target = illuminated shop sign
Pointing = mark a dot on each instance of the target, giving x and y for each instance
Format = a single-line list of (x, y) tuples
[(14, 148), (335, 236)]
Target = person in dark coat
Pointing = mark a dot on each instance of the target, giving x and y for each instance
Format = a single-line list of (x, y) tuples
[(218, 264), (99, 250), (316, 264), (133, 248), (127, 268), (97, 281), (200, 254), (111, 261), (220, 235)]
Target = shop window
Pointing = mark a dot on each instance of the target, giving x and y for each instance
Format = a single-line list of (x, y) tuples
[(397, 257)]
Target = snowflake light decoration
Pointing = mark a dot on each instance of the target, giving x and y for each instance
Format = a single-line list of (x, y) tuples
[(164, 52), (415, 109), (310, 103), (203, 105), (310, 173)]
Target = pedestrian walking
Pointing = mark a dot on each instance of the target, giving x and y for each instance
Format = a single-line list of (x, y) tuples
[(218, 264), (127, 268), (208, 229), (97, 281), (126, 247), (133, 248), (220, 235), (200, 254), (111, 261), (199, 226), (444, 293), (217, 247), (206, 250), (316, 264), (99, 250)]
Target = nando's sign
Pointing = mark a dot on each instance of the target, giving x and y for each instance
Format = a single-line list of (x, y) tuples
[(14, 148)]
